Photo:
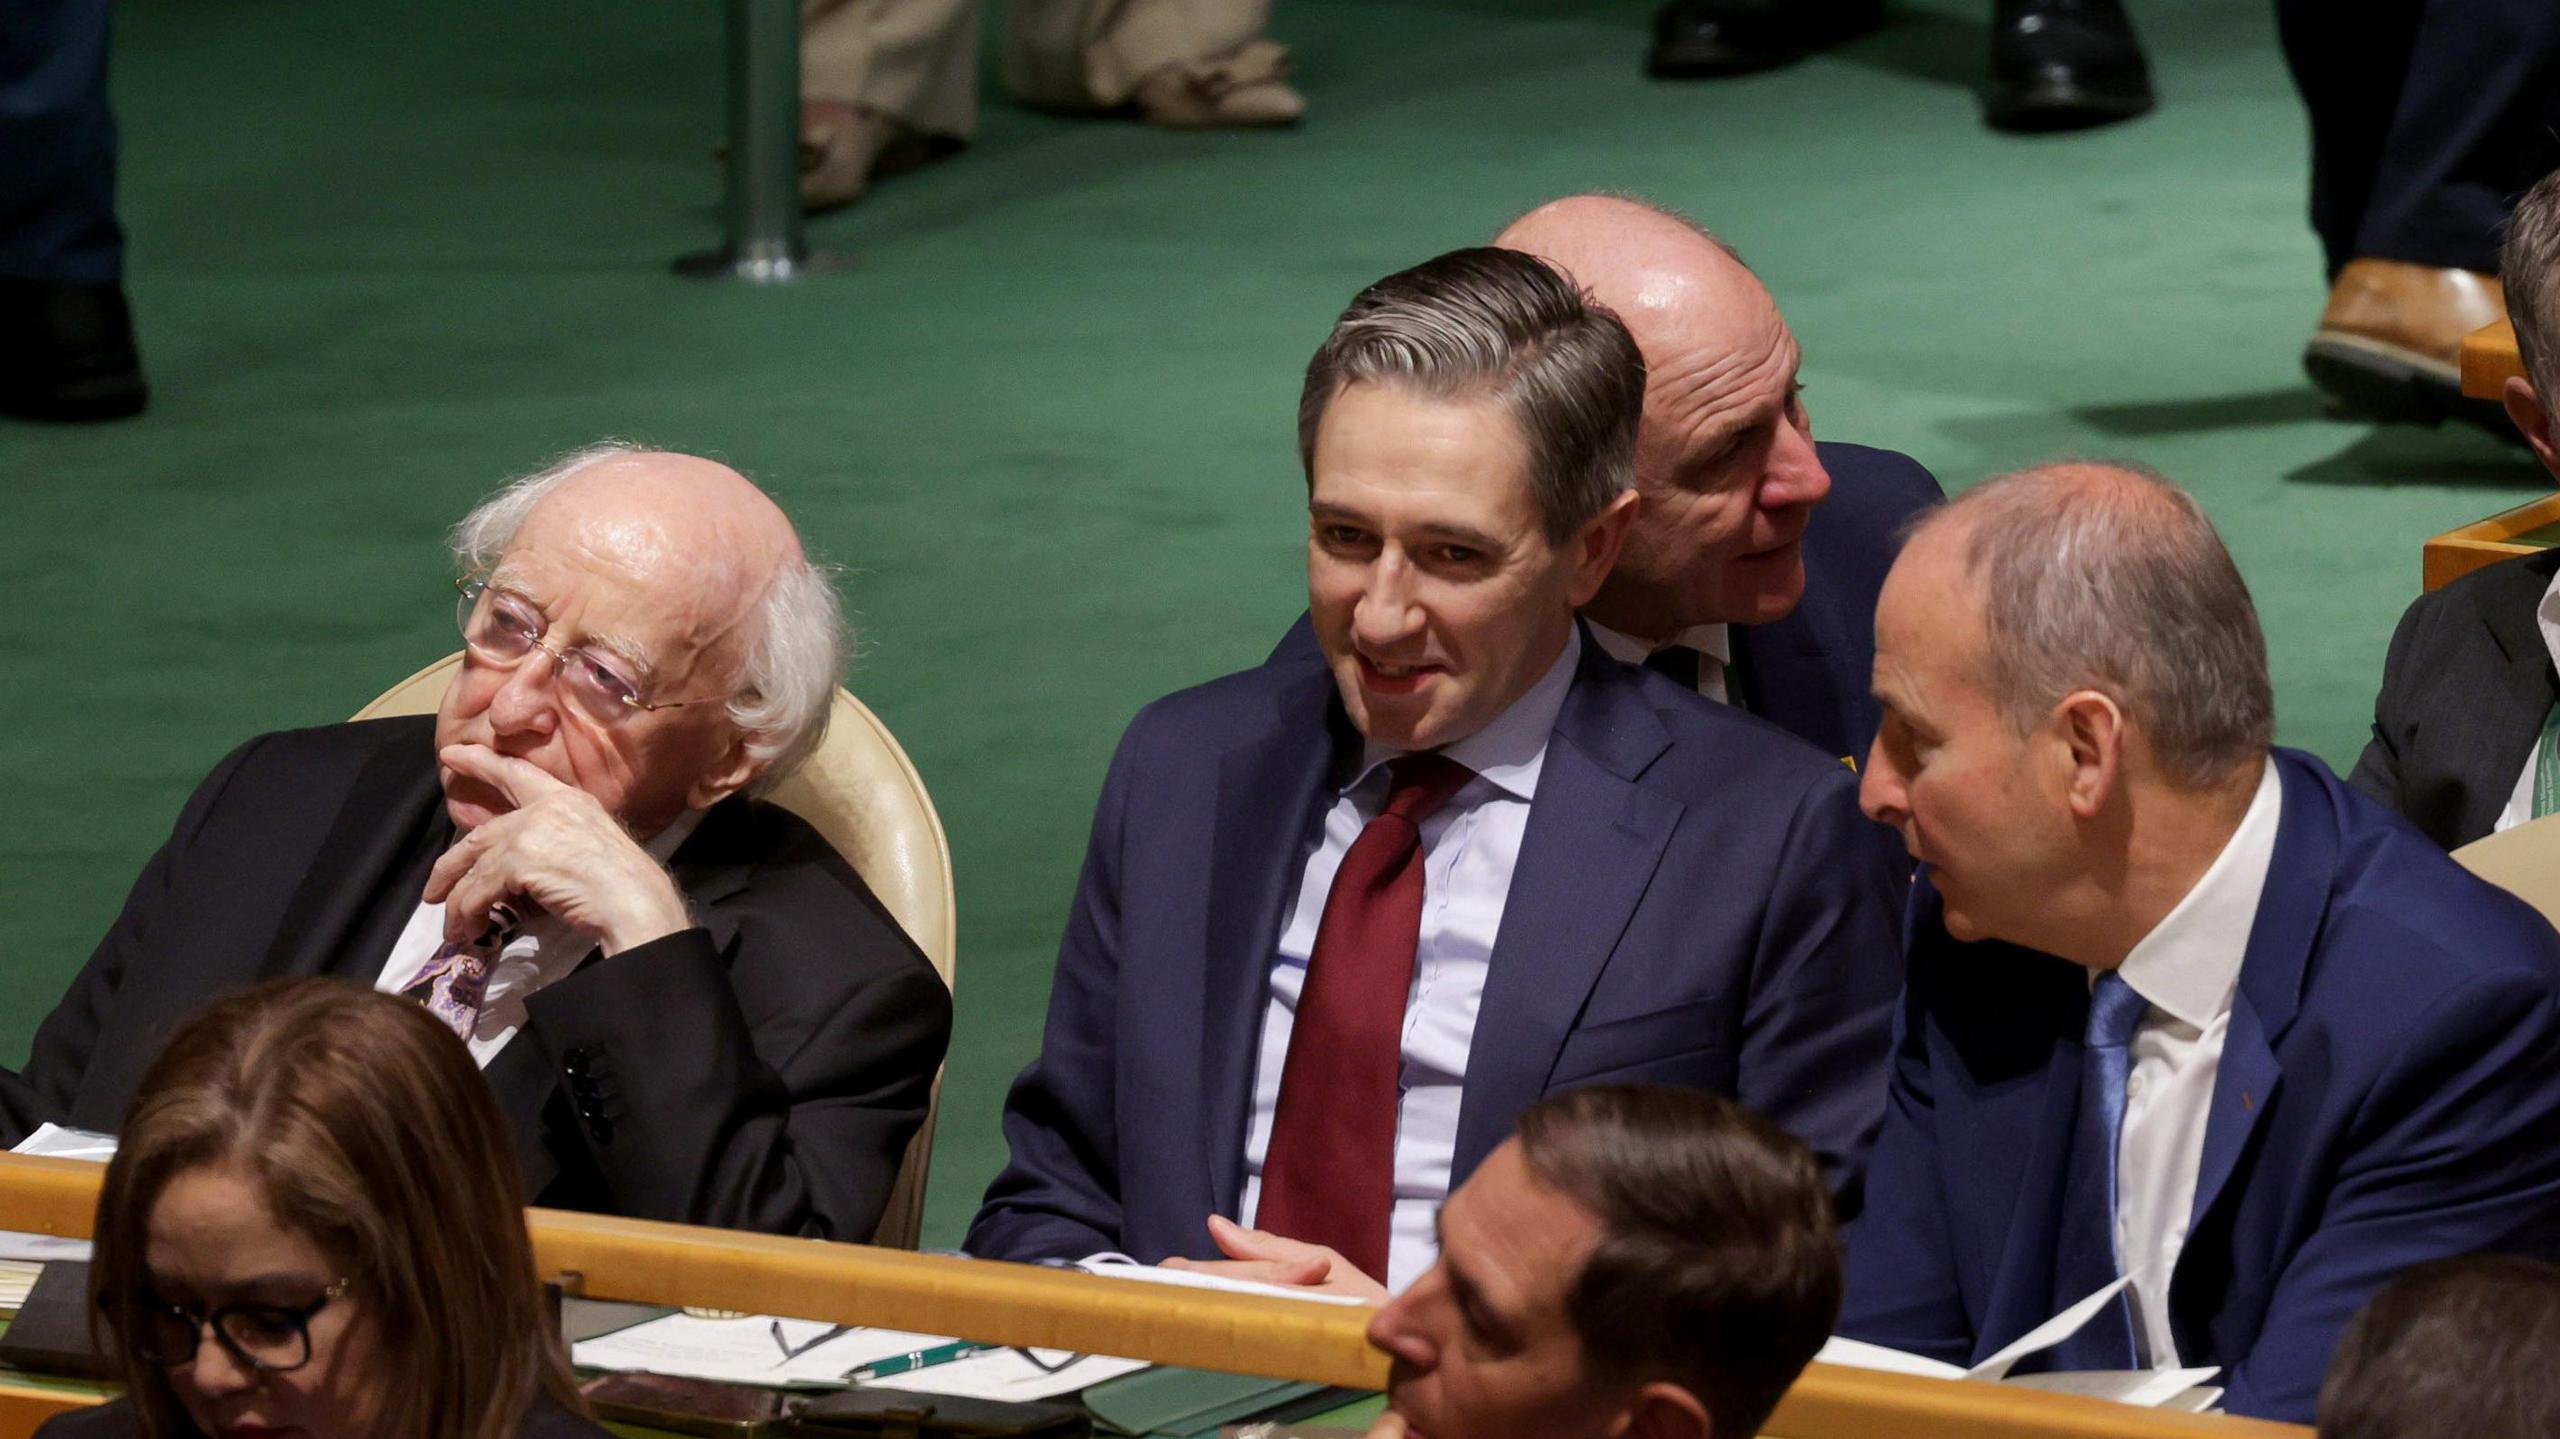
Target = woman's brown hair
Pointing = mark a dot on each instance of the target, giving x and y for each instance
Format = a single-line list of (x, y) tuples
[(364, 1125)]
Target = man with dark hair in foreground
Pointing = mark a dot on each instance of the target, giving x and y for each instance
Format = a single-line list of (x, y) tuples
[(2467, 1346), (1638, 1261)]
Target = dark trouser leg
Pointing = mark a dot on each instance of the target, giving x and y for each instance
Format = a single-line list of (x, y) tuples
[(57, 145), (2428, 118)]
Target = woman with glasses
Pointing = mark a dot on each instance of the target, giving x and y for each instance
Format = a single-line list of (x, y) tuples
[(313, 1228)]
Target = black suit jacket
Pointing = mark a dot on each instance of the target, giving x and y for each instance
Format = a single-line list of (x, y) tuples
[(763, 1070), (1810, 672), (544, 1418), (2464, 690)]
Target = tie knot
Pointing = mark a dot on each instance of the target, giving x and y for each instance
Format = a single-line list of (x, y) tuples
[(2115, 1011), (1419, 784)]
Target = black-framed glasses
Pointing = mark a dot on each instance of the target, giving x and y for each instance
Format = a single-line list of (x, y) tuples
[(503, 628), (271, 1338)]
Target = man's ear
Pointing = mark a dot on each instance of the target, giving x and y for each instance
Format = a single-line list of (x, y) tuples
[(1595, 550), (2089, 731), (733, 771), (1664, 1410), (2533, 421)]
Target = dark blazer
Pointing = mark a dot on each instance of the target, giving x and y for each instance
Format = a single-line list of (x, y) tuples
[(2464, 689), (1697, 901), (544, 1418), (761, 1071), (1809, 673), (2389, 1092)]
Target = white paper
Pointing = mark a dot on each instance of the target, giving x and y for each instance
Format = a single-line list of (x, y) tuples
[(1857, 1354), (743, 1351), (1005, 1374), (2046, 1335), (2145, 1388), (16, 1278), (1112, 1266), (42, 1248), (60, 1143)]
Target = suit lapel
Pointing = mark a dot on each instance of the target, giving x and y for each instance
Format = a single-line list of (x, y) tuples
[(2024, 1129), (376, 840), (2291, 910), (1271, 789), (2511, 721), (1588, 853)]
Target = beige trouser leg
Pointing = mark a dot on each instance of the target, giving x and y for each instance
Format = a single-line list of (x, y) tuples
[(915, 61), (1091, 54)]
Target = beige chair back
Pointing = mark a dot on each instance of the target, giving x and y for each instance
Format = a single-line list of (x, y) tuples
[(2524, 861), (860, 791)]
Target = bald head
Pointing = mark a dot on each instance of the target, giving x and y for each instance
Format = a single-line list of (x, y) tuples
[(1726, 473), (2107, 576), (719, 567)]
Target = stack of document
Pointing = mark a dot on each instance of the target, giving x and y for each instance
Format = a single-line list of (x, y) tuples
[(24, 1256), (2183, 1389)]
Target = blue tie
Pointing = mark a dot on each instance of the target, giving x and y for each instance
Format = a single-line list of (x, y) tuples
[(2085, 1259)]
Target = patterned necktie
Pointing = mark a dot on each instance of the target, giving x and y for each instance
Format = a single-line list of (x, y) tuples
[(2085, 1260), (1328, 1176), (451, 982)]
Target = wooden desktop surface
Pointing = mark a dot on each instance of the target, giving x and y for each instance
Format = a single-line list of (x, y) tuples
[(2489, 356), (657, 1263)]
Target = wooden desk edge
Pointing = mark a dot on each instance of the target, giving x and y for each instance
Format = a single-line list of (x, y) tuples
[(651, 1262), (2459, 551), (2489, 355)]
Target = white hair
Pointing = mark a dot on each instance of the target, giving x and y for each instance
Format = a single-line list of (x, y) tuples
[(795, 655)]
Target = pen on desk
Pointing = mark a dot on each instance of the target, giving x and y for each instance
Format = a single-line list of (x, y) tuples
[(789, 1353), (916, 1359)]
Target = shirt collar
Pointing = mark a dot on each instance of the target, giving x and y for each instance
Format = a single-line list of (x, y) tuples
[(2189, 963), (1714, 641), (663, 845), (1511, 751), (2546, 617)]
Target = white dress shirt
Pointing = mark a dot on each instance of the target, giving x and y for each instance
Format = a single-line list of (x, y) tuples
[(543, 951), (2546, 617), (1714, 644), (2187, 968), (1469, 847)]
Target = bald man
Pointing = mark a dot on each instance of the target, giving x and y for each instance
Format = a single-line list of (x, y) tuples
[(690, 1007), (1757, 554)]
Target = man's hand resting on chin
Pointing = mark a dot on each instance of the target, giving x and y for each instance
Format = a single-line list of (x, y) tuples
[(1267, 1258), (557, 847)]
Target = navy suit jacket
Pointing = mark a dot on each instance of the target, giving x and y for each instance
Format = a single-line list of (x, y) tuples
[(1697, 901), (1809, 673), (2389, 1093)]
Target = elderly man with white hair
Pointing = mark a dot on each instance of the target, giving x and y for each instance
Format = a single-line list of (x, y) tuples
[(691, 1008)]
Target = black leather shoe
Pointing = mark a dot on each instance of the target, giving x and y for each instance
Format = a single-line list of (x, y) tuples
[(66, 352), (2064, 65), (1698, 39)]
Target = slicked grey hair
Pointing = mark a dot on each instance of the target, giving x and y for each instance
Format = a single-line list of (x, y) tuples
[(2107, 577), (1509, 326), (796, 649), (2529, 267)]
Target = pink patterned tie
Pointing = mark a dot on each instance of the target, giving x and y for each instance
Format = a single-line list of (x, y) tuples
[(450, 984)]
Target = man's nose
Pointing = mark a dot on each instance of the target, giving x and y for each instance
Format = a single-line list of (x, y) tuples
[(1880, 788), (1404, 1327), (525, 702), (1795, 477), (1387, 611)]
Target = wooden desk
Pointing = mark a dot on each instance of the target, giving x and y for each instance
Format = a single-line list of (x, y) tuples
[(2533, 525), (1021, 1304), (2489, 356)]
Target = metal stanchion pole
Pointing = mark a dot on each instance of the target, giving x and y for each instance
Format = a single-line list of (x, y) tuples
[(763, 202)]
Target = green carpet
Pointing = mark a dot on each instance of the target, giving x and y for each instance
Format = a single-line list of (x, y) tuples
[(384, 256)]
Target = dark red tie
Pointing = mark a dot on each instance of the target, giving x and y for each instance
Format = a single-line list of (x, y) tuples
[(1329, 1174)]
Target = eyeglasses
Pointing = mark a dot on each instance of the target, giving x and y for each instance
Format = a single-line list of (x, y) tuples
[(503, 628), (270, 1338)]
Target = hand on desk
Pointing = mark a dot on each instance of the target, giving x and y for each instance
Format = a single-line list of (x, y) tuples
[(1390, 1425), (557, 847), (1268, 1258)]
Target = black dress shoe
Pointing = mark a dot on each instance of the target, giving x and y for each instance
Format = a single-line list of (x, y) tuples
[(2063, 65), (66, 352), (1698, 39)]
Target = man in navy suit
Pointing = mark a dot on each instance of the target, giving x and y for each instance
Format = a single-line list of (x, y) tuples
[(1345, 915), (2183, 1009), (1752, 569)]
